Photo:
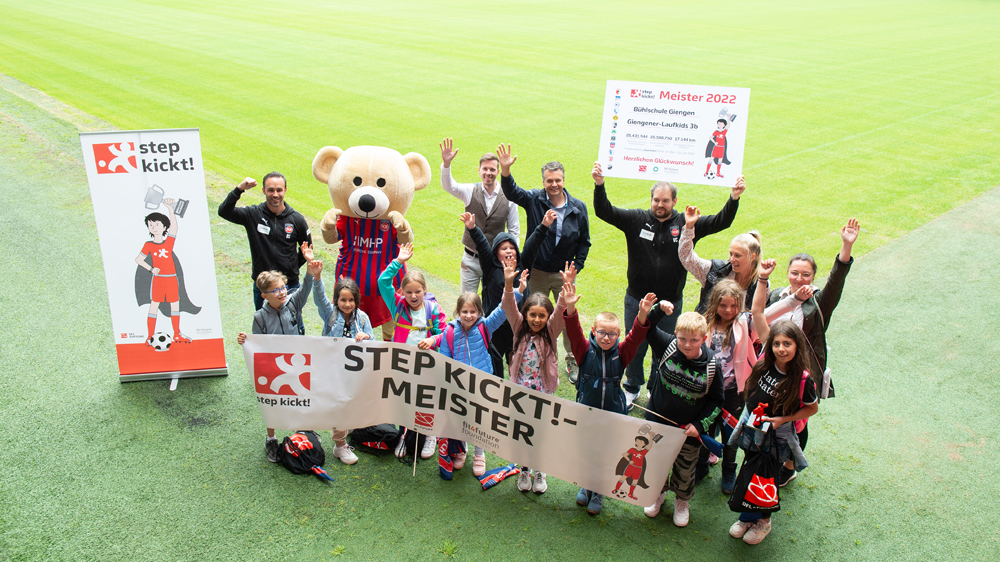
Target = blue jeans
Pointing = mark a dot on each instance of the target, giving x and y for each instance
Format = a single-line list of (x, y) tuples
[(258, 301), (635, 377)]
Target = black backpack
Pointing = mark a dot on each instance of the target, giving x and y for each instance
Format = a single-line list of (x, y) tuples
[(376, 439), (302, 453)]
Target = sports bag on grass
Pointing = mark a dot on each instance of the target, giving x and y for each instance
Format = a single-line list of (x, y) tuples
[(376, 439), (302, 453), (756, 489)]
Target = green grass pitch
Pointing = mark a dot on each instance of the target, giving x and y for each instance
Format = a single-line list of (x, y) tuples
[(884, 110)]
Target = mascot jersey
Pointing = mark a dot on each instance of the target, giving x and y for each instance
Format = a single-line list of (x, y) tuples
[(367, 246), (719, 137)]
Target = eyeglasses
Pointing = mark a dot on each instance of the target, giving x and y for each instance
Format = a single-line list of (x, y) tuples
[(278, 291), (608, 335)]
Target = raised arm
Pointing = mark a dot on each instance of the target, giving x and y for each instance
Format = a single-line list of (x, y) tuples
[(614, 216), (829, 296), (322, 302), (169, 204), (577, 339), (228, 209), (685, 250), (461, 191), (534, 241), (511, 191), (711, 224)]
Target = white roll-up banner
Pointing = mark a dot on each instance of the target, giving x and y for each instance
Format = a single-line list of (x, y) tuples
[(148, 191)]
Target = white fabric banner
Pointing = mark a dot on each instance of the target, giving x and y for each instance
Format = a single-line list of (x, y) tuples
[(148, 191), (674, 132), (311, 382)]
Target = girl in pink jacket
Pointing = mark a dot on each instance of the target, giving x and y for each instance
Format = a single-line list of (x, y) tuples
[(534, 363)]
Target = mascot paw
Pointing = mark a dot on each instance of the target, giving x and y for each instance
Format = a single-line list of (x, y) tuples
[(329, 226)]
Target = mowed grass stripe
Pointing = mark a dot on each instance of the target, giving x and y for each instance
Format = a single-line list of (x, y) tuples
[(832, 132)]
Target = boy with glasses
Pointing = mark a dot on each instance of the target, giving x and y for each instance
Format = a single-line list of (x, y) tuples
[(602, 362), (280, 315)]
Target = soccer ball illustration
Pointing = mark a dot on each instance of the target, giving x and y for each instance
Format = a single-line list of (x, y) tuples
[(160, 341), (710, 175)]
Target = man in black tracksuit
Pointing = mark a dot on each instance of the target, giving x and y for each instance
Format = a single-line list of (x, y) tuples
[(652, 237), (274, 229)]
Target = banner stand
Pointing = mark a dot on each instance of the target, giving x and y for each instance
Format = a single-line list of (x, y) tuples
[(154, 227), (174, 375)]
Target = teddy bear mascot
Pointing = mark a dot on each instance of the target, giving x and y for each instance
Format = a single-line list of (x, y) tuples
[(371, 188)]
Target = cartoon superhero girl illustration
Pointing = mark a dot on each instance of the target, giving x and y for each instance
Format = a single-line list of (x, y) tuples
[(631, 468), (159, 279)]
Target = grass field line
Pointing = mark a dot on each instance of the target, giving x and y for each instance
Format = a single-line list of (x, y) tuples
[(868, 132)]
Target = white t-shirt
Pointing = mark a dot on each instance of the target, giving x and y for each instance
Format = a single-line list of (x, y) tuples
[(419, 318)]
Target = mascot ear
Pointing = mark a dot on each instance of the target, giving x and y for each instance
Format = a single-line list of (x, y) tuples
[(419, 169), (324, 161)]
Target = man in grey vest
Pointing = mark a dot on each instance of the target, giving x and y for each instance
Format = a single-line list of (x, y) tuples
[(484, 199)]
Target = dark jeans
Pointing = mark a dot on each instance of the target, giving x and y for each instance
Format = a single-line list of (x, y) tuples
[(635, 376), (258, 301)]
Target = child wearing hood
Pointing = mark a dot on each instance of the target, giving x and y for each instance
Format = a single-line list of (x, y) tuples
[(491, 258)]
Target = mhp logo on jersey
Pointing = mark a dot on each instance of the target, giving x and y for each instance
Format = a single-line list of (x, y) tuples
[(423, 419), (285, 374), (115, 158)]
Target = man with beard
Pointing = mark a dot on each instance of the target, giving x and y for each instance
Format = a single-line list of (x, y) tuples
[(651, 237)]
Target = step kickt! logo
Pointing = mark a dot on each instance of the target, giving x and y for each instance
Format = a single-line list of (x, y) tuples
[(284, 374), (115, 158)]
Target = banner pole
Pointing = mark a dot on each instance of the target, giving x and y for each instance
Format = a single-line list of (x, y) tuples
[(415, 453), (654, 413)]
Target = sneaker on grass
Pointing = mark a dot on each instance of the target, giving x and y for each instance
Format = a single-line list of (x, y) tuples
[(757, 533), (458, 461), (572, 369), (596, 504), (629, 399), (430, 447), (478, 465), (583, 496), (740, 528), (539, 486), (786, 475), (654, 510), (524, 479), (345, 454), (271, 449), (682, 513)]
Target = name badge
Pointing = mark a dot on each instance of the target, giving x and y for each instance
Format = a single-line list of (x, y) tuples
[(647, 234), (263, 229)]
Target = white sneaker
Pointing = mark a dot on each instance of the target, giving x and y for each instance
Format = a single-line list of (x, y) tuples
[(682, 513), (629, 398), (524, 480), (430, 447), (654, 510), (539, 486), (757, 533), (740, 528), (345, 454)]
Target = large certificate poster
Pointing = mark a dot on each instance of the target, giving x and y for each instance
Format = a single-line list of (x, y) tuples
[(148, 191), (674, 132)]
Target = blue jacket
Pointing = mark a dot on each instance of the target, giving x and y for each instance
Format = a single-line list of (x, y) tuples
[(333, 319), (574, 243), (599, 383), (470, 347)]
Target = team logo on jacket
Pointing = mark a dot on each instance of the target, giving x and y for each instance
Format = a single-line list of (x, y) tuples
[(289, 228), (115, 158), (423, 419), (674, 231), (285, 374)]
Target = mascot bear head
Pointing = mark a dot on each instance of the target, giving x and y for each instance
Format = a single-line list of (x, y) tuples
[(370, 182)]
